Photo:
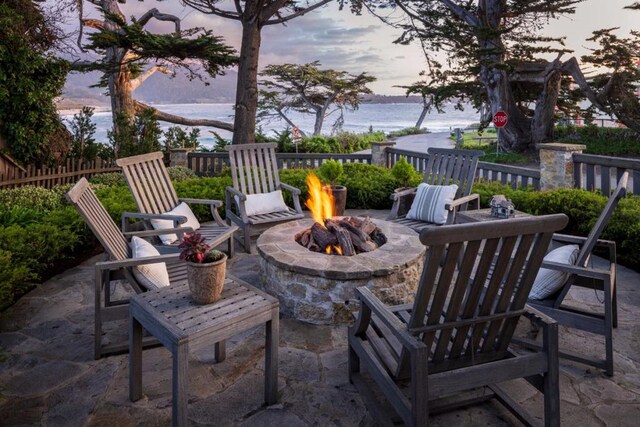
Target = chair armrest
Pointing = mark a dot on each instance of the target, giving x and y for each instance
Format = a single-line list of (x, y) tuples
[(234, 192), (401, 203), (537, 317), (177, 219), (214, 203), (566, 238), (462, 200), (591, 273), (294, 190), (213, 206), (151, 233), (232, 196), (403, 193), (399, 329), (132, 262)]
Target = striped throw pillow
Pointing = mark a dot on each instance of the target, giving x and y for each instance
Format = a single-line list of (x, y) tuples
[(430, 201), (548, 281)]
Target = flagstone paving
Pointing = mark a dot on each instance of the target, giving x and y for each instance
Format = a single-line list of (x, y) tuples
[(48, 375)]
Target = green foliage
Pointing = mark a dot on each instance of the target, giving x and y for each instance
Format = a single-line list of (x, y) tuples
[(19, 215), (583, 209), (37, 198), (83, 143), (403, 171), (109, 179), (601, 140), (177, 137), (342, 142), (180, 173), (331, 170), (203, 188), (15, 278), (30, 80), (406, 131), (138, 136)]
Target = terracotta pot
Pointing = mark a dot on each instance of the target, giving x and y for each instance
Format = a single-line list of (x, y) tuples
[(340, 198), (206, 280)]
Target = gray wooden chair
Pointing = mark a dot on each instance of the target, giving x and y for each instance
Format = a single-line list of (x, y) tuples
[(254, 169), (456, 336), (118, 265), (153, 192), (584, 275), (444, 167)]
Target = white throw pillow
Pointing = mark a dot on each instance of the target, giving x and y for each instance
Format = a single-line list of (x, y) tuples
[(550, 281), (151, 276), (162, 224), (429, 204), (264, 203)]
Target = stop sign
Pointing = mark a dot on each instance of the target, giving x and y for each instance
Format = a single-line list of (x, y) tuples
[(500, 119)]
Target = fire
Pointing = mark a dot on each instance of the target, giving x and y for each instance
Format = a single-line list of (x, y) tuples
[(320, 201)]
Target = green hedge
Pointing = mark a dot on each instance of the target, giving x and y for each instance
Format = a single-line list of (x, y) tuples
[(600, 140), (583, 209)]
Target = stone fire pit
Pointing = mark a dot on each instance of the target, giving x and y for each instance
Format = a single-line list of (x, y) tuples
[(319, 288)]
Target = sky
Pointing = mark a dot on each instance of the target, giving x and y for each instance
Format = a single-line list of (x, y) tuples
[(344, 41)]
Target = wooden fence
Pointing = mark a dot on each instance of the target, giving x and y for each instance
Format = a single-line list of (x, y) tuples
[(71, 172), (211, 164), (602, 173), (509, 175)]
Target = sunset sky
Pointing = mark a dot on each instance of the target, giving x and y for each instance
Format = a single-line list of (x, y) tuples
[(343, 41)]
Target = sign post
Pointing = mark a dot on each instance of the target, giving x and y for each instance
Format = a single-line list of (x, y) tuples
[(500, 120)]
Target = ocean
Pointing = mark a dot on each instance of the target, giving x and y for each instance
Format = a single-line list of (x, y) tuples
[(379, 117)]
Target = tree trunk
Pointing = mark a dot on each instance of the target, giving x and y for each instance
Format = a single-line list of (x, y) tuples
[(317, 126), (244, 126), (543, 117), (423, 114)]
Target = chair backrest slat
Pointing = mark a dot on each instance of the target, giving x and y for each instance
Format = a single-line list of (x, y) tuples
[(97, 218), (254, 168), (603, 220), (149, 182), (474, 287), (452, 166)]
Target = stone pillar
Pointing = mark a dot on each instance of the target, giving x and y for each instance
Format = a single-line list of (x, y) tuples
[(379, 152), (180, 156), (556, 164)]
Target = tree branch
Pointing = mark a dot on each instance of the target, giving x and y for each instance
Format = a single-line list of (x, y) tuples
[(286, 119), (270, 11), (166, 117), (135, 83), (571, 66), (207, 7), (154, 13), (461, 13)]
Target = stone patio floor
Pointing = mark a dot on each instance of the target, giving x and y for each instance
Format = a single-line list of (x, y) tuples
[(48, 375)]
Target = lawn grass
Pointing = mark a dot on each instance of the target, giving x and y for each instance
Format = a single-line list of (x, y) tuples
[(489, 147)]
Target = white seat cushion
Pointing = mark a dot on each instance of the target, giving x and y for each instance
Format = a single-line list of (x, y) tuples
[(162, 224), (151, 276), (430, 201), (265, 203), (548, 281)]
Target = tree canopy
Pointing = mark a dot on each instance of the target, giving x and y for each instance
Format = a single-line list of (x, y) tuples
[(30, 80), (310, 90)]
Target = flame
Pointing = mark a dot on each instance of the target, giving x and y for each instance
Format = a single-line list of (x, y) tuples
[(320, 201)]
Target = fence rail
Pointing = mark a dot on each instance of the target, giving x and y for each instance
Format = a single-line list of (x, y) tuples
[(68, 173), (592, 172), (509, 175), (211, 164)]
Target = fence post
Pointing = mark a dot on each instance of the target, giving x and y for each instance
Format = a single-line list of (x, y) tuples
[(180, 156), (556, 164), (379, 152)]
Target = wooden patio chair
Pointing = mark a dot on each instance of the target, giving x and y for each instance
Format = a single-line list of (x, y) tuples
[(444, 167), (584, 275), (118, 265), (254, 169), (153, 192), (456, 335)]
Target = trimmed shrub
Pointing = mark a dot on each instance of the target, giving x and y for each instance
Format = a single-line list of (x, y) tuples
[(180, 173), (601, 140), (38, 198), (204, 188), (110, 179), (15, 278)]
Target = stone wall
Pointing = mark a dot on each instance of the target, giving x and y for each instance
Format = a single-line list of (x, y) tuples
[(556, 165)]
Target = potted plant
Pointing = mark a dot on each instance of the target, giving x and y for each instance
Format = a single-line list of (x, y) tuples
[(205, 268), (331, 170)]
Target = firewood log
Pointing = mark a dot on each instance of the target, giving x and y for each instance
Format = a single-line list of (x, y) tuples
[(378, 236), (360, 240), (323, 237), (344, 238)]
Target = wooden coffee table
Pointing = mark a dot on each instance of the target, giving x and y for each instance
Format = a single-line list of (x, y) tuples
[(171, 316), (482, 215)]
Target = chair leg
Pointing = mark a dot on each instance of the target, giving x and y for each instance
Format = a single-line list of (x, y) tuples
[(220, 350), (551, 381), (353, 363), (614, 304), (231, 246), (419, 391), (247, 238), (609, 296), (97, 327)]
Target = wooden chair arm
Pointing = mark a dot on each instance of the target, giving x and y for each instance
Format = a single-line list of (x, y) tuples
[(403, 193), (177, 219), (399, 329), (462, 200), (294, 190), (132, 262), (566, 238), (233, 196), (591, 273), (537, 317), (234, 192), (398, 203), (151, 233), (213, 205)]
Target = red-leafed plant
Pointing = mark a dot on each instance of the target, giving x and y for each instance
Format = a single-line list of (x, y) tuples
[(194, 249)]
